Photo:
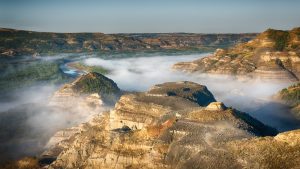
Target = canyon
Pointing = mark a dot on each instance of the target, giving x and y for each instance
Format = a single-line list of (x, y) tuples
[(172, 125), (175, 124)]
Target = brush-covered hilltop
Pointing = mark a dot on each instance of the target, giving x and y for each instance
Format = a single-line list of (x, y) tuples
[(291, 97), (272, 54), (19, 42)]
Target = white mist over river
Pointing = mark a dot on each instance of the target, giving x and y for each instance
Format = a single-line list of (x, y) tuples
[(251, 96), (26, 108)]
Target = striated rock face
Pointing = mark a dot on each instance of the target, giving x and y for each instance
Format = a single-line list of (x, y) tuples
[(26, 129), (157, 130), (84, 97), (273, 54)]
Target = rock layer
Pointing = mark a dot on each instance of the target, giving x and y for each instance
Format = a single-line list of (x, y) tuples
[(273, 54), (157, 130)]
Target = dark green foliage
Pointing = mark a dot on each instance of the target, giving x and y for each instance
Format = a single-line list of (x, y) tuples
[(25, 74), (291, 95), (96, 83), (281, 38)]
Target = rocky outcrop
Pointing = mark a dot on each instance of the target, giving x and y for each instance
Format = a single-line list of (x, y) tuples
[(216, 106), (24, 43), (291, 97), (86, 96), (273, 54), (155, 129), (33, 124), (89, 90)]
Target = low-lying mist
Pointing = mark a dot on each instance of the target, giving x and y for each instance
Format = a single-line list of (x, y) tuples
[(27, 121), (252, 96)]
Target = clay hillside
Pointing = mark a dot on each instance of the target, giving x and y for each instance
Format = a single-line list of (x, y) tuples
[(272, 54)]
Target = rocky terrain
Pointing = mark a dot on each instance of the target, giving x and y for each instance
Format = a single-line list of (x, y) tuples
[(173, 125), (291, 97), (20, 43), (27, 128), (273, 54)]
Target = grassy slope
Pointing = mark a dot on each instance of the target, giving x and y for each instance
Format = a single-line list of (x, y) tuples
[(291, 96)]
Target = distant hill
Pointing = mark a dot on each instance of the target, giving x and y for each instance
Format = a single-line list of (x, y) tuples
[(272, 54), (19, 42)]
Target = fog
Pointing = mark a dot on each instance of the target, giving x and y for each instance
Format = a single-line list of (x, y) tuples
[(253, 96), (27, 121)]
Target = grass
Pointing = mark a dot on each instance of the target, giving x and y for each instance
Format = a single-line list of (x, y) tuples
[(25, 74), (291, 94), (280, 38), (83, 67)]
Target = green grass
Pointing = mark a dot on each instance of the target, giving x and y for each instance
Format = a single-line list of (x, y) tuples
[(96, 83), (291, 94), (83, 67), (25, 74), (281, 38)]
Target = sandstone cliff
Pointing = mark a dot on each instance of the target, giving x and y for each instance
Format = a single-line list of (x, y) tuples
[(167, 128), (273, 54)]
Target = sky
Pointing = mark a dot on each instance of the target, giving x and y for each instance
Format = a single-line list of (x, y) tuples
[(150, 16)]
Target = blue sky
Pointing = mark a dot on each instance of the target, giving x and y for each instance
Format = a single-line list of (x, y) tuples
[(123, 16)]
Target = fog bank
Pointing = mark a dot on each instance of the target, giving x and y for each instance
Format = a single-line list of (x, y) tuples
[(252, 96)]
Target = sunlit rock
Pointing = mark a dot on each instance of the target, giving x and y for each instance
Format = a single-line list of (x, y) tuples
[(215, 106), (156, 129)]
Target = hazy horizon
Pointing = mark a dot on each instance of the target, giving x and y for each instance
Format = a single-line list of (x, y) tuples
[(155, 16)]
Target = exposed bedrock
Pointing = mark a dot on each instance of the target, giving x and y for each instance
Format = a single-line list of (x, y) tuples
[(155, 129), (273, 54)]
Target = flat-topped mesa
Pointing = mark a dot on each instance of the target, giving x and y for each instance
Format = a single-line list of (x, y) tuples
[(142, 109), (188, 90), (176, 99), (274, 54)]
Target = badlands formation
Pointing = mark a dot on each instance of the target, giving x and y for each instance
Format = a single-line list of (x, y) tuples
[(172, 125), (273, 54)]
